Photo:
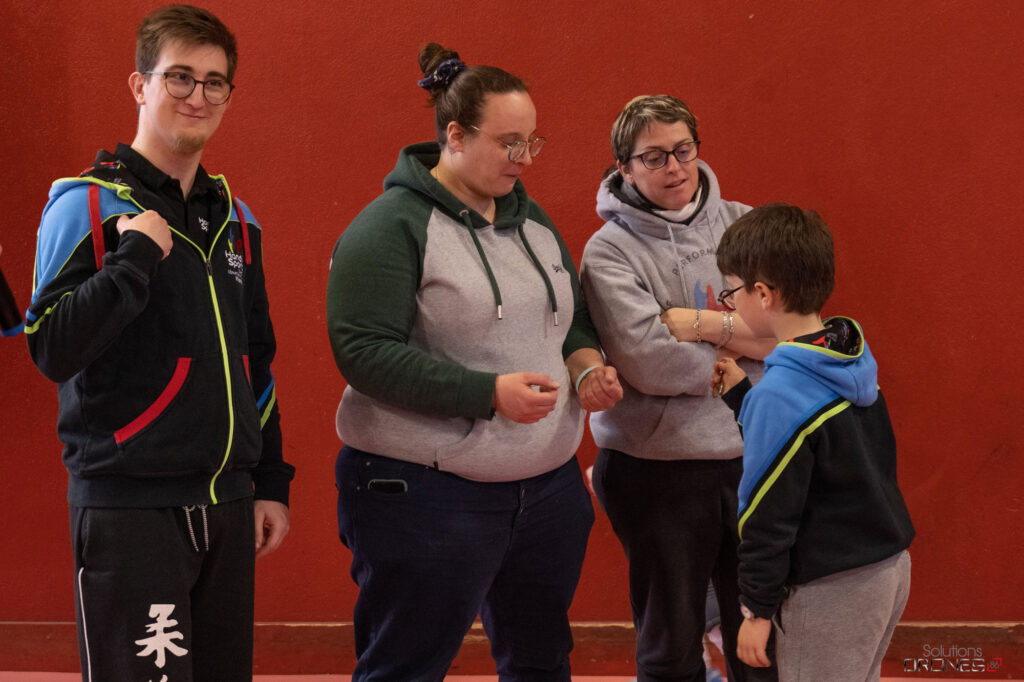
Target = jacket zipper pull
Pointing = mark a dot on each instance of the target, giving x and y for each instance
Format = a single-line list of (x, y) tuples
[(209, 268)]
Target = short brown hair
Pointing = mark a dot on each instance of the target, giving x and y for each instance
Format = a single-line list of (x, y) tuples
[(638, 115), (461, 98), (783, 246), (186, 24)]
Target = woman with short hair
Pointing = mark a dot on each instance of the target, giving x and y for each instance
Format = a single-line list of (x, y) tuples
[(670, 455)]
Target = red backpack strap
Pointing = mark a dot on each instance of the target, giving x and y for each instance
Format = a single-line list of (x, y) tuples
[(99, 245), (245, 231)]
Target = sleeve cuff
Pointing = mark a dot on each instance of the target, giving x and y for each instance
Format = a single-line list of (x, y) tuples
[(476, 395), (272, 486), (140, 253), (759, 610), (735, 395)]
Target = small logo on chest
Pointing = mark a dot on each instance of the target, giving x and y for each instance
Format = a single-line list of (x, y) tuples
[(236, 265), (204, 224), (557, 268)]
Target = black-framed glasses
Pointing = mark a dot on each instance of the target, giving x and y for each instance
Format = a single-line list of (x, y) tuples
[(725, 297), (654, 159), (181, 85), (518, 148)]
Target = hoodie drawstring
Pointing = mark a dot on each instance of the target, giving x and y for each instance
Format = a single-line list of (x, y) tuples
[(468, 221), (464, 214), (191, 531), (544, 275)]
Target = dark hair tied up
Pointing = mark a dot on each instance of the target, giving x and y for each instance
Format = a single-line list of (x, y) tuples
[(457, 91), (444, 74)]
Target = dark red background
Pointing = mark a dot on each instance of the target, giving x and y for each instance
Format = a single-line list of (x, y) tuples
[(900, 122)]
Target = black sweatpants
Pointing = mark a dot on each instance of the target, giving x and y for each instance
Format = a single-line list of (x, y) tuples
[(165, 594), (677, 522)]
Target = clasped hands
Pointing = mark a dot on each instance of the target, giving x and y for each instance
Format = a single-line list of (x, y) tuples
[(528, 397)]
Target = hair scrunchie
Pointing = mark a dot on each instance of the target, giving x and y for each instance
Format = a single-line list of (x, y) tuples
[(444, 74)]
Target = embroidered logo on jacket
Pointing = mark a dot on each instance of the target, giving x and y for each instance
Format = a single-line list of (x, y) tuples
[(236, 265)]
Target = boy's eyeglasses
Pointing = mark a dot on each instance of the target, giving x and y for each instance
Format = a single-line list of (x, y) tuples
[(725, 297)]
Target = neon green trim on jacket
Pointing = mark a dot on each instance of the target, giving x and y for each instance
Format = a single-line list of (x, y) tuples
[(34, 327), (780, 467), (125, 192), (270, 406)]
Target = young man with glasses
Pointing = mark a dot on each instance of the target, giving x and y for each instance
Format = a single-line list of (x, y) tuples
[(150, 310)]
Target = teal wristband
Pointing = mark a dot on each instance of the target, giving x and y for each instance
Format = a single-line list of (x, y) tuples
[(579, 379)]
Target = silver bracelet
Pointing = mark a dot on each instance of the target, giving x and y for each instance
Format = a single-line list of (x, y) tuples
[(728, 329)]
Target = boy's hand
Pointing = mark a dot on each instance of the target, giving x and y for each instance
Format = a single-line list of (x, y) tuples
[(752, 642), (726, 375)]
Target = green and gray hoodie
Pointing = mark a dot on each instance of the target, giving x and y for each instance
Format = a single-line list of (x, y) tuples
[(428, 302)]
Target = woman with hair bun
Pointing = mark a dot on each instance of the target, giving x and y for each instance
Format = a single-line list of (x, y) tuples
[(455, 315)]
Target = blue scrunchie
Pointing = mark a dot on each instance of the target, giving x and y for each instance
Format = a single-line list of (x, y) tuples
[(444, 74)]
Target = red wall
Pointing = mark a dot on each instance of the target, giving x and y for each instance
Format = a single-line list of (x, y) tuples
[(901, 124)]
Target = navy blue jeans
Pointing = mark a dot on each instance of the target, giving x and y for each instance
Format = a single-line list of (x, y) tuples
[(431, 551)]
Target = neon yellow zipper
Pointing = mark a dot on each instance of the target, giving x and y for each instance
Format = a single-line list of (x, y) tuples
[(125, 192)]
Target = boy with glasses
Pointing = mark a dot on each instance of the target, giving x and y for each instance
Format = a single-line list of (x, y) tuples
[(823, 526), (150, 311)]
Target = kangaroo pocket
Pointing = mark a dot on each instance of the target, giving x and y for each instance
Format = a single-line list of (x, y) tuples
[(482, 431), (182, 430)]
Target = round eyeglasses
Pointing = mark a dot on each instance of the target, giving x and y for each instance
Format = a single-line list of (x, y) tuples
[(517, 149), (181, 85), (657, 158)]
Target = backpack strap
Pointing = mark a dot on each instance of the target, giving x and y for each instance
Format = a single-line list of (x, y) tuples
[(245, 231), (99, 245)]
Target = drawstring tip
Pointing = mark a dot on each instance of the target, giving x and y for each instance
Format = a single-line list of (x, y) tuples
[(556, 318), (499, 311)]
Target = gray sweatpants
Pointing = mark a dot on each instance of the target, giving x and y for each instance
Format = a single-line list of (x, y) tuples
[(838, 628)]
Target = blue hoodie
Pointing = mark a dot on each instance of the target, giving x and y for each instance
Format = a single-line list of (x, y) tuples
[(819, 493)]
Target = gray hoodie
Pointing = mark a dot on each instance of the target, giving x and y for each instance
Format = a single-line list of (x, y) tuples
[(427, 302), (634, 268)]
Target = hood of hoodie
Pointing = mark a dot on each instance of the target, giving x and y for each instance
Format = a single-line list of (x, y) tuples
[(850, 372), (412, 171), (611, 207)]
